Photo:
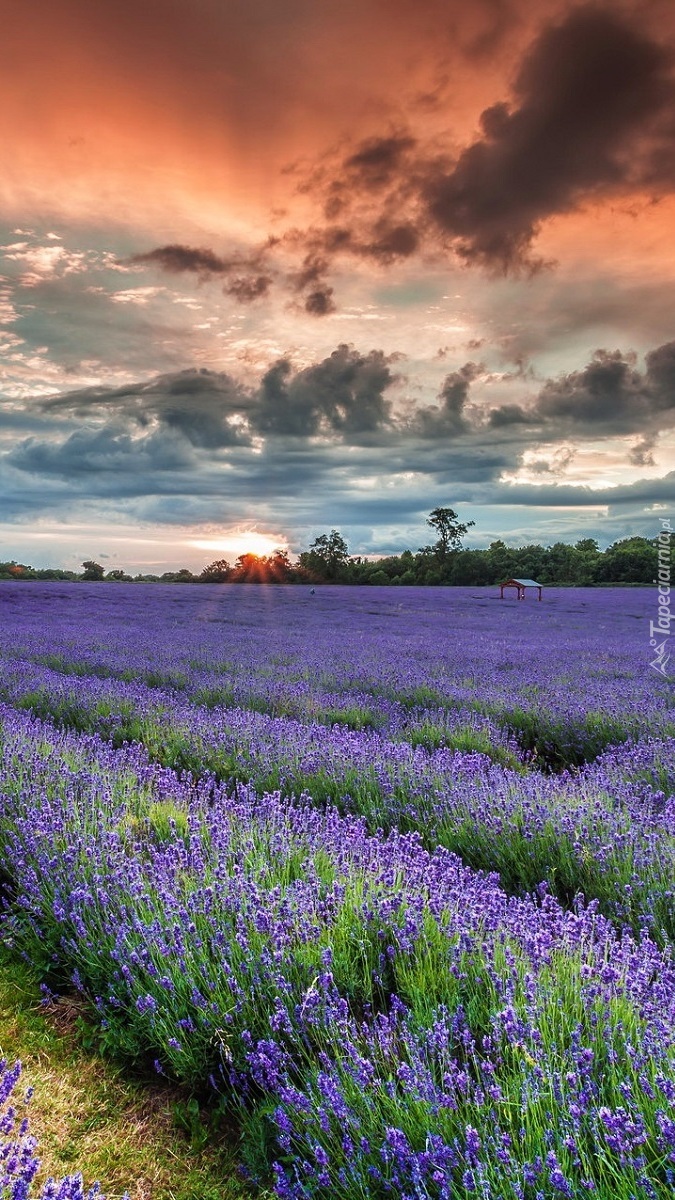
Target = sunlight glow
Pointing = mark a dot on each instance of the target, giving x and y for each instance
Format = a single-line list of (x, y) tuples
[(247, 541)]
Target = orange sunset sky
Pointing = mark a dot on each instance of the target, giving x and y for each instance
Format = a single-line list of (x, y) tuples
[(272, 267)]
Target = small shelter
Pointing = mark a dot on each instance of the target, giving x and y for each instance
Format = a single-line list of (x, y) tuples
[(520, 584)]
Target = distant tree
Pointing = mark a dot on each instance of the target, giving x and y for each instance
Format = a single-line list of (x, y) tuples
[(20, 571), (530, 562), (450, 530), (250, 568), (469, 568), (562, 564), (631, 560), (379, 578), (327, 557), (216, 572), (588, 560), (92, 570), (54, 573), (118, 576), (279, 567), (183, 576), (502, 561)]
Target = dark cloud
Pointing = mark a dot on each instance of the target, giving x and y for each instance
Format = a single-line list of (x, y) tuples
[(610, 396), (208, 408), (378, 161), (177, 259), (310, 282), (384, 238), (110, 451), (347, 398), (508, 414), (246, 282), (342, 395), (390, 242), (609, 393), (319, 302), (642, 453), (247, 288), (587, 91), (385, 241), (642, 492), (661, 373), (590, 116), (447, 419)]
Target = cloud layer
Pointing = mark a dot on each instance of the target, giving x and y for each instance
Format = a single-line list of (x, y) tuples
[(590, 116), (185, 446)]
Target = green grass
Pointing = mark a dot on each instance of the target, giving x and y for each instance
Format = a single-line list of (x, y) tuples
[(143, 1137), (463, 738)]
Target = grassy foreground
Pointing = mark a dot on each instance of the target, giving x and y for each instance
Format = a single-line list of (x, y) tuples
[(132, 1136)]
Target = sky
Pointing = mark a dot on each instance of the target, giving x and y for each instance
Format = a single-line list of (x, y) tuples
[(272, 267)]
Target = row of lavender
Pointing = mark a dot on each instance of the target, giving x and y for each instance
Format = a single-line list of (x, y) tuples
[(383, 1020), (606, 830), (565, 677)]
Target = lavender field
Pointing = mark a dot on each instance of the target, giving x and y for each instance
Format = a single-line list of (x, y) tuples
[(385, 876)]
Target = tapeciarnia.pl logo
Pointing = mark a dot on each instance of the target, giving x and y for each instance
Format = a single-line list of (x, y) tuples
[(659, 631)]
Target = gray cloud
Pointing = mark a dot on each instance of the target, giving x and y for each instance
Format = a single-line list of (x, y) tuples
[(508, 415), (342, 398), (110, 451), (319, 302), (199, 446), (378, 160), (342, 395), (346, 397), (609, 396), (643, 492), (447, 419), (642, 453), (248, 288), (207, 407)]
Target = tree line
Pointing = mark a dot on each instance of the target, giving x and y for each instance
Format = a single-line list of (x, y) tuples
[(444, 562)]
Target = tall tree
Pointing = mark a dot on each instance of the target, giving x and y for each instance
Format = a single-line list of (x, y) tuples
[(450, 530), (327, 557), (279, 566), (216, 572)]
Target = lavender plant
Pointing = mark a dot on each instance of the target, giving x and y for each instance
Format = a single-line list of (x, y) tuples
[(380, 1017), (19, 1161), (399, 901)]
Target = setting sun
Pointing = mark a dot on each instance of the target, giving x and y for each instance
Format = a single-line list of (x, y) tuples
[(248, 541)]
